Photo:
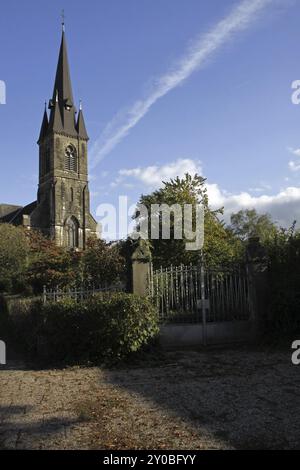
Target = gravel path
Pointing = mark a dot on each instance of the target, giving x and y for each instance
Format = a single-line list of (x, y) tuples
[(189, 400)]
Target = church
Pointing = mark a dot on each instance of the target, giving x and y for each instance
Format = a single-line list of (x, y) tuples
[(62, 208)]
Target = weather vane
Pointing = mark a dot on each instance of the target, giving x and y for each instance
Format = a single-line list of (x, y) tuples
[(63, 19)]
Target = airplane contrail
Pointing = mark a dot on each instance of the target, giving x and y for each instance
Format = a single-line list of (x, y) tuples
[(240, 18)]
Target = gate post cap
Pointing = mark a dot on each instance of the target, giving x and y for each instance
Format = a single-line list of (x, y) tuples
[(254, 240), (142, 252), (255, 251)]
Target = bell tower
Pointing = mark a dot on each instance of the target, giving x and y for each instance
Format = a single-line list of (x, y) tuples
[(63, 202)]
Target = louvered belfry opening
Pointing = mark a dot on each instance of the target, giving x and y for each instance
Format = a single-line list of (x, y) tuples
[(70, 159)]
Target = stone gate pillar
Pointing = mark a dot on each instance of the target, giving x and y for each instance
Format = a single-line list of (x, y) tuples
[(141, 259), (257, 270)]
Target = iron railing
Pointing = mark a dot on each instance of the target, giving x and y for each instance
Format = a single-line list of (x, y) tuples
[(183, 294), (79, 293)]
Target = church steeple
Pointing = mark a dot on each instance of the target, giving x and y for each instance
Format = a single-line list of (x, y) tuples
[(62, 99), (55, 121), (80, 126), (63, 204), (44, 126)]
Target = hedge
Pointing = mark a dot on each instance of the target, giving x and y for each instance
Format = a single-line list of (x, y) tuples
[(18, 321), (101, 328)]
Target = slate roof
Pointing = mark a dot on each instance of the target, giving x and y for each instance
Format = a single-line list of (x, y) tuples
[(44, 126), (81, 129), (6, 209), (16, 216)]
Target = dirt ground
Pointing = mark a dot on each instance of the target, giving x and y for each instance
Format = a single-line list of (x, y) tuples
[(214, 399)]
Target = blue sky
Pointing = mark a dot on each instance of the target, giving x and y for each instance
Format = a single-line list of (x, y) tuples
[(232, 119)]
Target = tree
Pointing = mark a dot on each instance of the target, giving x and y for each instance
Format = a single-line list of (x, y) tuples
[(50, 265), (13, 257), (29, 261), (220, 246), (248, 223), (102, 263)]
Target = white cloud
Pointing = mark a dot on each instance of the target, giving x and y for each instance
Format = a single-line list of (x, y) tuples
[(294, 166), (294, 151), (261, 188), (152, 176), (283, 206), (202, 48), (116, 181)]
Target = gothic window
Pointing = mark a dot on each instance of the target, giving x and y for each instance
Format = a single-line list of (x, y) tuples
[(72, 232), (72, 194), (70, 158)]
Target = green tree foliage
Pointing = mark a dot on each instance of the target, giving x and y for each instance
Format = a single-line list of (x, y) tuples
[(13, 257), (50, 265), (248, 223), (102, 263), (220, 245), (29, 261)]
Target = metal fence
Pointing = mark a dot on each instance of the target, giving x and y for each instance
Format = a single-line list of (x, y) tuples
[(79, 293), (193, 294)]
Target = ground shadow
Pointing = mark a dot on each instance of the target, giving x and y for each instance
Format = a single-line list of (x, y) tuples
[(17, 433), (243, 398)]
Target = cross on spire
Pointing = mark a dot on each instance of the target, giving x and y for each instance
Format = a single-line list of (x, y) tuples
[(63, 20)]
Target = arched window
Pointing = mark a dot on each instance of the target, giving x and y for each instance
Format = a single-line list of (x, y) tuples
[(72, 232), (70, 158)]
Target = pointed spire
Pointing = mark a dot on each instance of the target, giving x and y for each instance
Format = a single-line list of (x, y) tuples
[(55, 122), (44, 126), (62, 110), (62, 79), (81, 129), (62, 92)]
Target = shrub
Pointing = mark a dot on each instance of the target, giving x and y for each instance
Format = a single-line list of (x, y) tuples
[(49, 264), (104, 327), (13, 257), (102, 263), (283, 316), (4, 328), (20, 323)]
